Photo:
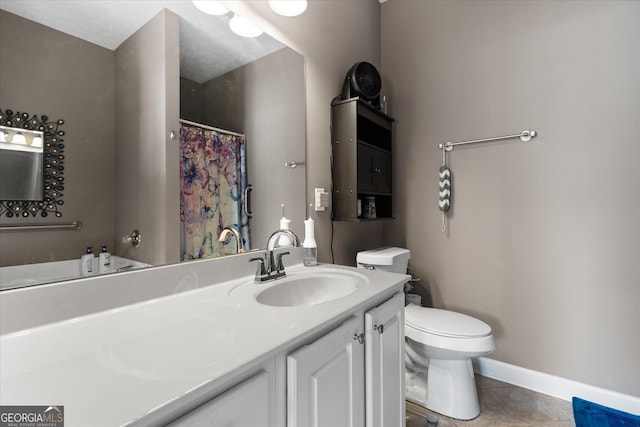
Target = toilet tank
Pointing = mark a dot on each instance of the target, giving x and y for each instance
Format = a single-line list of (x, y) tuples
[(387, 258)]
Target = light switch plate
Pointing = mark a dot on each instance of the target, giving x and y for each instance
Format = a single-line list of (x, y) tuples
[(321, 199)]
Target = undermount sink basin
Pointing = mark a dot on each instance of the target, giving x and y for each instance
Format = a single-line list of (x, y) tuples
[(310, 289)]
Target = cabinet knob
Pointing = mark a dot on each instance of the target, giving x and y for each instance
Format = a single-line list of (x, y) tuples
[(377, 170), (134, 239), (359, 337), (379, 328)]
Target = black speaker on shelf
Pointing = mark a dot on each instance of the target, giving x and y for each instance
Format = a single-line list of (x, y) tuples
[(362, 80)]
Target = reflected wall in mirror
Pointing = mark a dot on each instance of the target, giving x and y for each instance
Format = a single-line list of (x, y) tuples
[(123, 98), (31, 165)]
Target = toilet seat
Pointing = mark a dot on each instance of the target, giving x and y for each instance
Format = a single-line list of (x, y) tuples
[(444, 323)]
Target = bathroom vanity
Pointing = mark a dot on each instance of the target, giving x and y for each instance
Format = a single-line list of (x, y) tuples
[(201, 341)]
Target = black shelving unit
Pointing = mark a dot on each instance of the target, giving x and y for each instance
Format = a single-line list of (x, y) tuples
[(362, 147)]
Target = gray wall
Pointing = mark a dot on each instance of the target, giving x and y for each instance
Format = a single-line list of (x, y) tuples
[(544, 237), (191, 102), (46, 72), (275, 129), (147, 107)]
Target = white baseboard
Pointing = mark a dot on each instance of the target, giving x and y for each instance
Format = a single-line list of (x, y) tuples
[(551, 385)]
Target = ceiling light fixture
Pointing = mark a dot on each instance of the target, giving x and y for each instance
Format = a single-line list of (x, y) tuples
[(288, 7), (211, 7), (242, 27)]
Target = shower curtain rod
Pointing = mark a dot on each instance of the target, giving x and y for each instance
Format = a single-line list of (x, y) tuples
[(525, 136), (187, 122)]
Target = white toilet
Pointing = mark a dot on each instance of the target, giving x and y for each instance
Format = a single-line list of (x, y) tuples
[(439, 346)]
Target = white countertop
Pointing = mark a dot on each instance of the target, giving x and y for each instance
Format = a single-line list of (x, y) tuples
[(113, 367)]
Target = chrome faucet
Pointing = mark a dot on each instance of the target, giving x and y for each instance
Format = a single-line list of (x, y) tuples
[(274, 240), (224, 236), (268, 268)]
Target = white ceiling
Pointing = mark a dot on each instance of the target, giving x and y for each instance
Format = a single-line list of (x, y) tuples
[(207, 47)]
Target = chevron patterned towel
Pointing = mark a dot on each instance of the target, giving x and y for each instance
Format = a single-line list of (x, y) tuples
[(445, 189)]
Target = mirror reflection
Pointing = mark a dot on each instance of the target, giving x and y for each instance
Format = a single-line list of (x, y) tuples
[(21, 160), (123, 92)]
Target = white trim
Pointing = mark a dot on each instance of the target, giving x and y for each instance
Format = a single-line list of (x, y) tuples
[(551, 385)]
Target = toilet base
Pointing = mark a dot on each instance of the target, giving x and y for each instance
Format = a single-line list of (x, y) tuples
[(449, 389)]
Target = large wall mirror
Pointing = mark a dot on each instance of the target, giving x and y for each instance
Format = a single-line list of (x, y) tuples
[(72, 59)]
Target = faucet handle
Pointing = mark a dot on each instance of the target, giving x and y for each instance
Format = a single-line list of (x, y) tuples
[(280, 266), (261, 271)]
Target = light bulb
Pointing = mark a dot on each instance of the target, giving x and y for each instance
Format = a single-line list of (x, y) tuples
[(19, 138), (242, 27), (211, 7), (288, 7)]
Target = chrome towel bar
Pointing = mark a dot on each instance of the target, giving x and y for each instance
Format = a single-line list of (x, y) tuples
[(74, 225), (525, 136)]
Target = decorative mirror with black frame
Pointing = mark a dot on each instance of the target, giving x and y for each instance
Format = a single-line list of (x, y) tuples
[(37, 159)]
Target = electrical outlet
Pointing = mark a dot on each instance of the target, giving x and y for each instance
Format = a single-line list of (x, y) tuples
[(321, 200)]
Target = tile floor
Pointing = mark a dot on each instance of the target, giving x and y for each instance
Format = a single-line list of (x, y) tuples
[(503, 405)]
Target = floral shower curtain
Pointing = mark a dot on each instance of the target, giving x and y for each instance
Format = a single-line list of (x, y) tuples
[(212, 184)]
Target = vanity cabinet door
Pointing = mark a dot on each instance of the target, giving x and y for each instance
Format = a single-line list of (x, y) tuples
[(384, 330), (246, 404), (325, 379)]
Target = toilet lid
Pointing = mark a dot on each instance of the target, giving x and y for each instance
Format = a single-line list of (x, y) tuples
[(444, 323)]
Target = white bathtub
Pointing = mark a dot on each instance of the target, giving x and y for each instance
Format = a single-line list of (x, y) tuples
[(32, 274)]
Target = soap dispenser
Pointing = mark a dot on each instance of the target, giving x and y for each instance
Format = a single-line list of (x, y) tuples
[(309, 246), (86, 262), (104, 261)]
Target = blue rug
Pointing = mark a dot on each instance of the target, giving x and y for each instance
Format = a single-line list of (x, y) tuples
[(589, 414)]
